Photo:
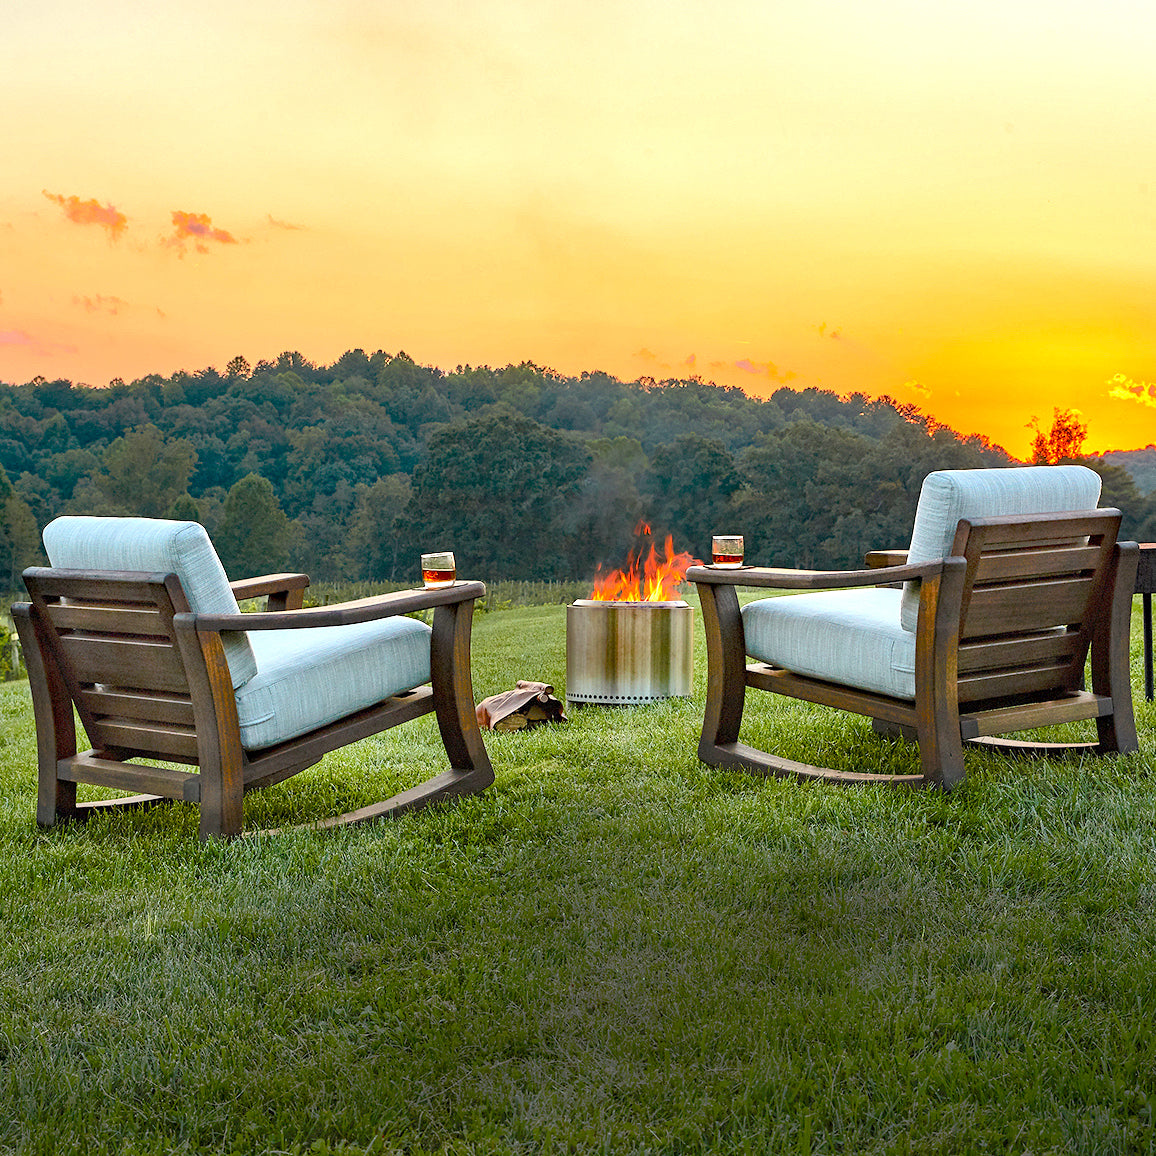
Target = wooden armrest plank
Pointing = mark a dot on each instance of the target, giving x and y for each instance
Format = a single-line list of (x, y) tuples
[(811, 579), (268, 584), (875, 558), (345, 613)]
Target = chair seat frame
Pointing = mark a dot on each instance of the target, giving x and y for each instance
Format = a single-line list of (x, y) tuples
[(149, 679), (976, 676)]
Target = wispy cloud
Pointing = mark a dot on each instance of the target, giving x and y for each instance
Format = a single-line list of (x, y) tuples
[(284, 224), (101, 303), (917, 387), (659, 361), (765, 369), (831, 334), (1124, 388), (198, 229), (91, 212), (25, 340)]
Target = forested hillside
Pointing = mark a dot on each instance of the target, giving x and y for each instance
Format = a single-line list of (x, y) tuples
[(347, 471), (1140, 464)]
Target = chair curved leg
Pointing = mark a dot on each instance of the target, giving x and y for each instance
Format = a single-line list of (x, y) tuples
[(726, 673), (55, 722), (470, 768), (1111, 669), (1029, 750), (454, 697), (56, 733), (745, 758), (940, 748)]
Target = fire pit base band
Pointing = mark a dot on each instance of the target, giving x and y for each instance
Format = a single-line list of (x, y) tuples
[(627, 653)]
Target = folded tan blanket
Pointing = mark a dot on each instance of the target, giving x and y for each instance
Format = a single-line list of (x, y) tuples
[(527, 705)]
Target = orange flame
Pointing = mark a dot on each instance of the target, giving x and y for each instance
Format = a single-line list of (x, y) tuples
[(653, 580)]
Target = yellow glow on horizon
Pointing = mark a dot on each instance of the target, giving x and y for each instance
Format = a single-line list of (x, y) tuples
[(950, 204)]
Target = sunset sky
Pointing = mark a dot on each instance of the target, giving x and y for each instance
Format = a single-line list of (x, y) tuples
[(953, 203)]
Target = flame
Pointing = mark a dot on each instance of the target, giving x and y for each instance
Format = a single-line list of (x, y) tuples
[(655, 579)]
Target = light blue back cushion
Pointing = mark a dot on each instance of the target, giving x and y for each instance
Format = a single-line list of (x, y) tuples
[(949, 495), (155, 546)]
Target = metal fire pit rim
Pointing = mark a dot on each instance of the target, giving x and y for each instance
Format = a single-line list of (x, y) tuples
[(626, 602)]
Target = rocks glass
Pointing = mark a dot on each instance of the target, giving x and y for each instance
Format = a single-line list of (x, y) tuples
[(438, 569), (727, 551)]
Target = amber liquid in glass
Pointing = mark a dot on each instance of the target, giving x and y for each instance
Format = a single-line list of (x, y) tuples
[(438, 577), (731, 560)]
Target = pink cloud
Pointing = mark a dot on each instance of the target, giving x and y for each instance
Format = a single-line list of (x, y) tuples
[(26, 340), (197, 228), (283, 224), (1125, 389), (99, 304), (91, 212), (765, 369)]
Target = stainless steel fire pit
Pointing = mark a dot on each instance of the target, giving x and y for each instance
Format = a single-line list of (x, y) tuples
[(628, 652)]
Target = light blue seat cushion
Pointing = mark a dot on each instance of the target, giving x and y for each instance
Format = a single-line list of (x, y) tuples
[(850, 637), (307, 678), (949, 495), (155, 546)]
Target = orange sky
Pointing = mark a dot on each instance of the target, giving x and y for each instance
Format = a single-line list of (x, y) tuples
[(954, 203)]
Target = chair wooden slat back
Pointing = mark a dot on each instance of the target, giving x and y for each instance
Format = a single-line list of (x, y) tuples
[(113, 639), (1032, 591)]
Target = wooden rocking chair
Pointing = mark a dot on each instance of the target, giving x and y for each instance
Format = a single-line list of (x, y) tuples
[(1011, 577), (137, 626)]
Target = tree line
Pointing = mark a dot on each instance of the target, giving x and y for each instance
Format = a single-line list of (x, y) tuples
[(349, 471)]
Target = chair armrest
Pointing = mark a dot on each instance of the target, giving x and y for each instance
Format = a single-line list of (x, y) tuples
[(811, 579), (885, 558), (344, 613), (268, 584)]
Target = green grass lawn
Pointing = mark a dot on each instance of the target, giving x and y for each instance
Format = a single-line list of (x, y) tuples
[(614, 949)]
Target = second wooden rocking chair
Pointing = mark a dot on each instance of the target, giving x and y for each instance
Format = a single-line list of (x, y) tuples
[(1012, 576)]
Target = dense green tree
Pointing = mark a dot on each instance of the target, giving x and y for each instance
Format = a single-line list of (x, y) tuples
[(142, 473), (373, 547), (184, 509), (19, 535), (63, 470), (495, 491), (254, 535), (689, 488)]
